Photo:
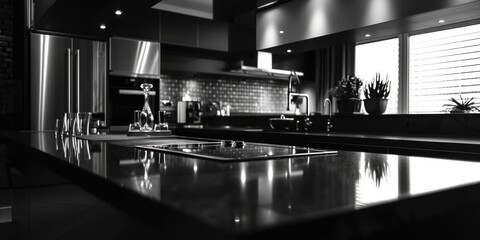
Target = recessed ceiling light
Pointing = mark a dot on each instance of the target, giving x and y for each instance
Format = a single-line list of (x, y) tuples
[(441, 21), (289, 50), (368, 35), (118, 12), (281, 32), (103, 26)]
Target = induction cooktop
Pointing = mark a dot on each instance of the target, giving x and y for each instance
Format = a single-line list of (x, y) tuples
[(235, 150)]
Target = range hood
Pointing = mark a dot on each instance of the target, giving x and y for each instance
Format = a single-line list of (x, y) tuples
[(134, 58), (263, 68), (196, 8), (238, 67)]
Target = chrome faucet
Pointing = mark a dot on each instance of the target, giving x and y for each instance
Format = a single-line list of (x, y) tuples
[(307, 120), (293, 77), (329, 124), (300, 95)]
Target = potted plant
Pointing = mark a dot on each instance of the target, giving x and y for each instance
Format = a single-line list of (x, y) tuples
[(347, 93), (376, 93), (464, 105)]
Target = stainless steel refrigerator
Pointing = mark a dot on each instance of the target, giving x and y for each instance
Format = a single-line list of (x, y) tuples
[(67, 75)]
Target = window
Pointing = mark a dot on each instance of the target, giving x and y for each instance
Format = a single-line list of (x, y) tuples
[(380, 57), (442, 65)]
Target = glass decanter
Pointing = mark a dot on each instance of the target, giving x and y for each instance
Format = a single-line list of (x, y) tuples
[(146, 158), (146, 116)]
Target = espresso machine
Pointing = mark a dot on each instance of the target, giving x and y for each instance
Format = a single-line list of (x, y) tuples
[(189, 112)]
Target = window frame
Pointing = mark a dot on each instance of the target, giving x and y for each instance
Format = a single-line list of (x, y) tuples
[(404, 58), (400, 81)]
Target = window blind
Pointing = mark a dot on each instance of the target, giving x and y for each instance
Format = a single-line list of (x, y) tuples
[(442, 65)]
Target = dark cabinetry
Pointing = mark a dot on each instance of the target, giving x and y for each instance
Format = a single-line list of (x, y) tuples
[(182, 30), (212, 35), (178, 29)]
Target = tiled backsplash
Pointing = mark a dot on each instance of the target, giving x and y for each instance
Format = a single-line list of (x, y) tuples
[(243, 95)]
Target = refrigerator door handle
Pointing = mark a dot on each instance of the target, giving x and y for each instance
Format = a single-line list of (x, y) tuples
[(69, 80), (77, 80), (135, 92)]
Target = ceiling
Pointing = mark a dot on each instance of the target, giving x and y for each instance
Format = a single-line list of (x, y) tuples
[(454, 16), (85, 16)]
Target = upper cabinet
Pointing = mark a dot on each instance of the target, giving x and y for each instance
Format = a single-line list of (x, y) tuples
[(182, 30), (212, 35), (178, 29), (295, 21)]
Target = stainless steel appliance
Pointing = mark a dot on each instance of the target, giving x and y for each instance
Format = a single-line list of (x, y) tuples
[(67, 75), (235, 150), (125, 96), (189, 111), (132, 62), (134, 58)]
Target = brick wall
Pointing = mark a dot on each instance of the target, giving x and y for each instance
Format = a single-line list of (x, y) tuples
[(6, 43), (9, 88), (243, 95), (6, 75)]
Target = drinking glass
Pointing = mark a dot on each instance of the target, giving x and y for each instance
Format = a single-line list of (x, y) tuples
[(162, 124), (58, 126), (136, 117), (83, 123), (135, 126), (69, 122)]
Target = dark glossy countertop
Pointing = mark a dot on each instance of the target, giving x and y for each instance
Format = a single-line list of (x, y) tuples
[(361, 135), (460, 145), (344, 195)]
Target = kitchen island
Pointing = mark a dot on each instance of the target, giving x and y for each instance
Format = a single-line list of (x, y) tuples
[(347, 195)]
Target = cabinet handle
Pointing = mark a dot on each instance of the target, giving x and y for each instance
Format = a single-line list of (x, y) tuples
[(69, 80), (77, 75), (134, 92)]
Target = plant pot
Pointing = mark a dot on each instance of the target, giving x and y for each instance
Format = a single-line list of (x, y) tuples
[(348, 106), (375, 106), (459, 111)]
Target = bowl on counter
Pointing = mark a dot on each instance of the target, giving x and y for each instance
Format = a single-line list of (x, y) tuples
[(283, 123)]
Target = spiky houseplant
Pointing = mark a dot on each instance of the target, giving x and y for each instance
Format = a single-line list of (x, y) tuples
[(378, 88), (377, 167), (463, 105), (376, 93)]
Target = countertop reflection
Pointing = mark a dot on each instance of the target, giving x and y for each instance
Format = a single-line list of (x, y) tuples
[(247, 196)]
